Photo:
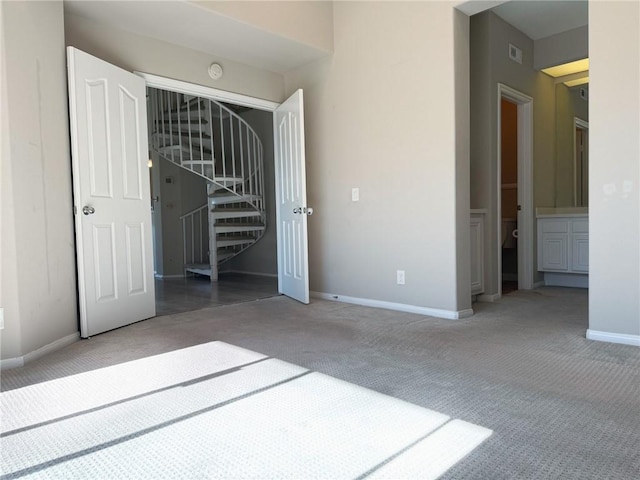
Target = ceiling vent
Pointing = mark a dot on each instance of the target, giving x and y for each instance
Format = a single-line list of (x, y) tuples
[(515, 53)]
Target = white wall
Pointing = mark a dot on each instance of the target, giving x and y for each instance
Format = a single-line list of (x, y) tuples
[(135, 52), (38, 254), (381, 115), (614, 169), (308, 22)]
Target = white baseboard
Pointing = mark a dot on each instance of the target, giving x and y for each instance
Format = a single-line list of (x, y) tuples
[(400, 307), (257, 274), (169, 276), (40, 352), (490, 298), (538, 284), (623, 338)]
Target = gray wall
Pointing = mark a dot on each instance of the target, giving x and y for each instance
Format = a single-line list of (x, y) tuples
[(187, 192), (380, 115), (561, 48), (261, 257), (38, 253), (490, 65)]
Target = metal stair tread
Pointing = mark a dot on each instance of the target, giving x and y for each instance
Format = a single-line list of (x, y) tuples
[(235, 213), (238, 227), (230, 241), (221, 198)]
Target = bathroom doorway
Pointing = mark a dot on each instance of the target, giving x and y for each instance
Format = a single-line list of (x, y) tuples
[(509, 194), (514, 212)]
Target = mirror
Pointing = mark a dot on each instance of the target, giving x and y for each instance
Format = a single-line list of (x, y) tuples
[(572, 137)]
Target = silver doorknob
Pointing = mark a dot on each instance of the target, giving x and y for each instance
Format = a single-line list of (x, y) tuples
[(297, 210), (87, 210)]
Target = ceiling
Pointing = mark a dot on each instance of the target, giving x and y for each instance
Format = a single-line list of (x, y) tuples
[(191, 26), (540, 19)]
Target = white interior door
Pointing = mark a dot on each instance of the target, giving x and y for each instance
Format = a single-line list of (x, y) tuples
[(291, 198), (112, 200)]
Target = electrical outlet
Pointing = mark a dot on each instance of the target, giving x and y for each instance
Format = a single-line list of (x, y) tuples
[(355, 194), (400, 277)]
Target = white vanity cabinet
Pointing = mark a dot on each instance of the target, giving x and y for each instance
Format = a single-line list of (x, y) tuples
[(563, 248)]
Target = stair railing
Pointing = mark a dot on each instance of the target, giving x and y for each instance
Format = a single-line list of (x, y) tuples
[(224, 148), (195, 236)]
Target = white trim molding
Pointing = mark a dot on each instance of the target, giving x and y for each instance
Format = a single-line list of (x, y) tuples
[(164, 83), (40, 352), (400, 307), (489, 298), (622, 338), (525, 186)]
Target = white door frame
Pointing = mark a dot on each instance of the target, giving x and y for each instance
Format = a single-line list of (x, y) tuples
[(525, 186), (163, 83)]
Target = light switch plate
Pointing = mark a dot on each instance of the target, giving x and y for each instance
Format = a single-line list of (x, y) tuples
[(1, 318), (355, 194)]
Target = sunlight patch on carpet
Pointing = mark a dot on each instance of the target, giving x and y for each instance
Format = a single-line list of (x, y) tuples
[(220, 411)]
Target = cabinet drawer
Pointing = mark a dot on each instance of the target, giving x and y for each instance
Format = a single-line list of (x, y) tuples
[(580, 226), (555, 226)]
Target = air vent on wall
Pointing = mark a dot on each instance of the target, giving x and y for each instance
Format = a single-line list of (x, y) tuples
[(515, 53)]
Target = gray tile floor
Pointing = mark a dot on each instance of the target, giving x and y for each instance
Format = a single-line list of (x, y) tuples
[(179, 295)]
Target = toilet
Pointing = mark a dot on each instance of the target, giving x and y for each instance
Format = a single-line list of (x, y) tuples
[(509, 232)]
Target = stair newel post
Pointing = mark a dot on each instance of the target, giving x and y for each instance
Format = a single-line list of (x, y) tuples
[(242, 153), (233, 151), (170, 102), (213, 139), (213, 246), (160, 97), (179, 98), (223, 156)]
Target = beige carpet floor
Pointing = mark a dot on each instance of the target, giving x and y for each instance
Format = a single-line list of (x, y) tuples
[(559, 406)]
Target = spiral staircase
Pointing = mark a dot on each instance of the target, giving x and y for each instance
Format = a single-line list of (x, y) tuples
[(212, 141)]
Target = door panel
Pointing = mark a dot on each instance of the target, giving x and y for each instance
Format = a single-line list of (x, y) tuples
[(111, 194), (291, 199)]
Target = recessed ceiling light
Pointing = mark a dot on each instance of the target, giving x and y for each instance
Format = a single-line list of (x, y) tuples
[(576, 82), (568, 68)]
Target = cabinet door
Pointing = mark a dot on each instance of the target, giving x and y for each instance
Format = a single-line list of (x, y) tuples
[(555, 250), (580, 252)]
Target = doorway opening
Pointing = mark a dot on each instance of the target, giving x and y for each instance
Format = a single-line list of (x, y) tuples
[(509, 197), (515, 190), (186, 276)]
